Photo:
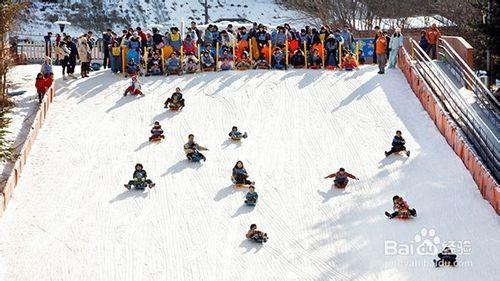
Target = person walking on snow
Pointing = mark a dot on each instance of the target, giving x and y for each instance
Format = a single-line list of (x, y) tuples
[(341, 178), (395, 43)]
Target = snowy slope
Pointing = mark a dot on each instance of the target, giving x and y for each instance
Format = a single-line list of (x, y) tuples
[(21, 78), (168, 13), (71, 219)]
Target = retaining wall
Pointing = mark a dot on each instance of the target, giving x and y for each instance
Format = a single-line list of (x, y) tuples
[(487, 185), (15, 174)]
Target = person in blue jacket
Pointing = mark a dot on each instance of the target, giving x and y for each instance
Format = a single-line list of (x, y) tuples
[(278, 59), (398, 145), (395, 43), (252, 196), (174, 65), (237, 135)]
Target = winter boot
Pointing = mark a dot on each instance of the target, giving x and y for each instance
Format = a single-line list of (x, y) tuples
[(408, 153), (127, 186)]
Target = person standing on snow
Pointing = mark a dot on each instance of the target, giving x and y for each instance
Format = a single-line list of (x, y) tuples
[(381, 51), (73, 56), (377, 29), (433, 34), (395, 43), (106, 42)]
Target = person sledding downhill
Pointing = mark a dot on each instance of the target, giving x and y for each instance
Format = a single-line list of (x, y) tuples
[(156, 132), (446, 258), (140, 179), (401, 209), (341, 178), (256, 235), (237, 135), (398, 145), (251, 197), (192, 150), (240, 175), (134, 88), (175, 102)]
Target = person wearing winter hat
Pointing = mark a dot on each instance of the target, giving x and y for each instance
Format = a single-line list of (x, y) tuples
[(395, 43)]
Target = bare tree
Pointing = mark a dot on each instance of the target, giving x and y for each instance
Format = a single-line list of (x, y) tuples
[(10, 13)]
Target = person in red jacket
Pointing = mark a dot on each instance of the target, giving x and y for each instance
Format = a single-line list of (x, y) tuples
[(349, 62), (40, 86), (341, 178), (432, 35)]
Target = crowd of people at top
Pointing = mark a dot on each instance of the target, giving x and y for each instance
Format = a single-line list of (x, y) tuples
[(138, 52)]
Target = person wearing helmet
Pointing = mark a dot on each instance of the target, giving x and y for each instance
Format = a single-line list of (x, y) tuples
[(341, 178), (140, 179)]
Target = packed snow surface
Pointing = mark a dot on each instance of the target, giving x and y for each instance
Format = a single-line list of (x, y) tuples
[(71, 219)]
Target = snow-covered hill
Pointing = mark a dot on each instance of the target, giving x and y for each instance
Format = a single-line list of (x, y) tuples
[(147, 12), (71, 219)]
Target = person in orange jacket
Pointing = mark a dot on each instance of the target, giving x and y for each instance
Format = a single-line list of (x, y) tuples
[(341, 178), (432, 35), (381, 51)]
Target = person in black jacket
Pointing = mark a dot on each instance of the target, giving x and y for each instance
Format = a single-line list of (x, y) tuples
[(106, 42), (446, 258), (398, 145), (377, 29), (73, 56), (298, 60), (157, 38), (140, 178)]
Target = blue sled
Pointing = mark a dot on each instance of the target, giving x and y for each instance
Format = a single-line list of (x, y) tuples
[(252, 204)]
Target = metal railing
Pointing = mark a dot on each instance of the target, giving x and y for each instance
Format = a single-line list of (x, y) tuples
[(469, 79), (482, 136)]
